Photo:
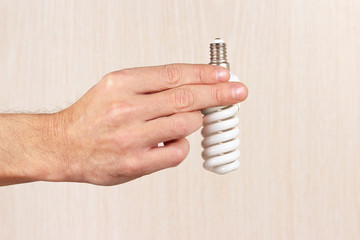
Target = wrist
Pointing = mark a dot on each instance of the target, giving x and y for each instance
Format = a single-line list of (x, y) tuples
[(54, 155), (32, 148)]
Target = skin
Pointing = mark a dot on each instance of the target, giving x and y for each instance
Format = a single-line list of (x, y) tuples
[(111, 135)]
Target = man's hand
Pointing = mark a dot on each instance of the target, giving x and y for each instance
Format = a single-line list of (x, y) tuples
[(111, 135)]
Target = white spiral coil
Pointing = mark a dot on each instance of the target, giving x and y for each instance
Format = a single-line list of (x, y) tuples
[(220, 137)]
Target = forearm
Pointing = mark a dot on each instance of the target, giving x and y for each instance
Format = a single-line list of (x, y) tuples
[(29, 148)]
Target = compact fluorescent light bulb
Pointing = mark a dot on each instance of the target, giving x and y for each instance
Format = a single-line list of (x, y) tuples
[(220, 142)]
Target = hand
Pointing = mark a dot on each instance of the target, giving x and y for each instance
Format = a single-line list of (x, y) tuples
[(111, 135)]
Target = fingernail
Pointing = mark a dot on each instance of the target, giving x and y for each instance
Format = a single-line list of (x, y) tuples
[(238, 91), (222, 75)]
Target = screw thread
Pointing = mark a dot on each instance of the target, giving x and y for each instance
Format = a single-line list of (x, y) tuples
[(218, 53)]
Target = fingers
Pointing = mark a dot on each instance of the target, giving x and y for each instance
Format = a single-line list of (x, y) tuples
[(191, 98), (171, 155), (158, 78), (169, 128)]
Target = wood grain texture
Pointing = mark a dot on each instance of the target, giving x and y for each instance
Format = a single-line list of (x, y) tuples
[(300, 127)]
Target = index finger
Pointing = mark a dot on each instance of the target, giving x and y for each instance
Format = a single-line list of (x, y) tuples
[(159, 78)]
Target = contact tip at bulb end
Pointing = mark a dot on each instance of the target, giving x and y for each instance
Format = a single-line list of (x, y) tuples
[(218, 40)]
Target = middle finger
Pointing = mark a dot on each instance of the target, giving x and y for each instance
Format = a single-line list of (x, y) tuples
[(191, 98)]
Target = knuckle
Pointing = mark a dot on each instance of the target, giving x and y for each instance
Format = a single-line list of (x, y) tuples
[(218, 95), (117, 112), (179, 127), (122, 142), (108, 80), (201, 74), (183, 98), (170, 74), (133, 167), (116, 79)]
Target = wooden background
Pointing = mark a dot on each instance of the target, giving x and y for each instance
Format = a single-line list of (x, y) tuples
[(300, 127)]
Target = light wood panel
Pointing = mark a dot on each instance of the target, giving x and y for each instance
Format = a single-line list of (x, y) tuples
[(299, 176)]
